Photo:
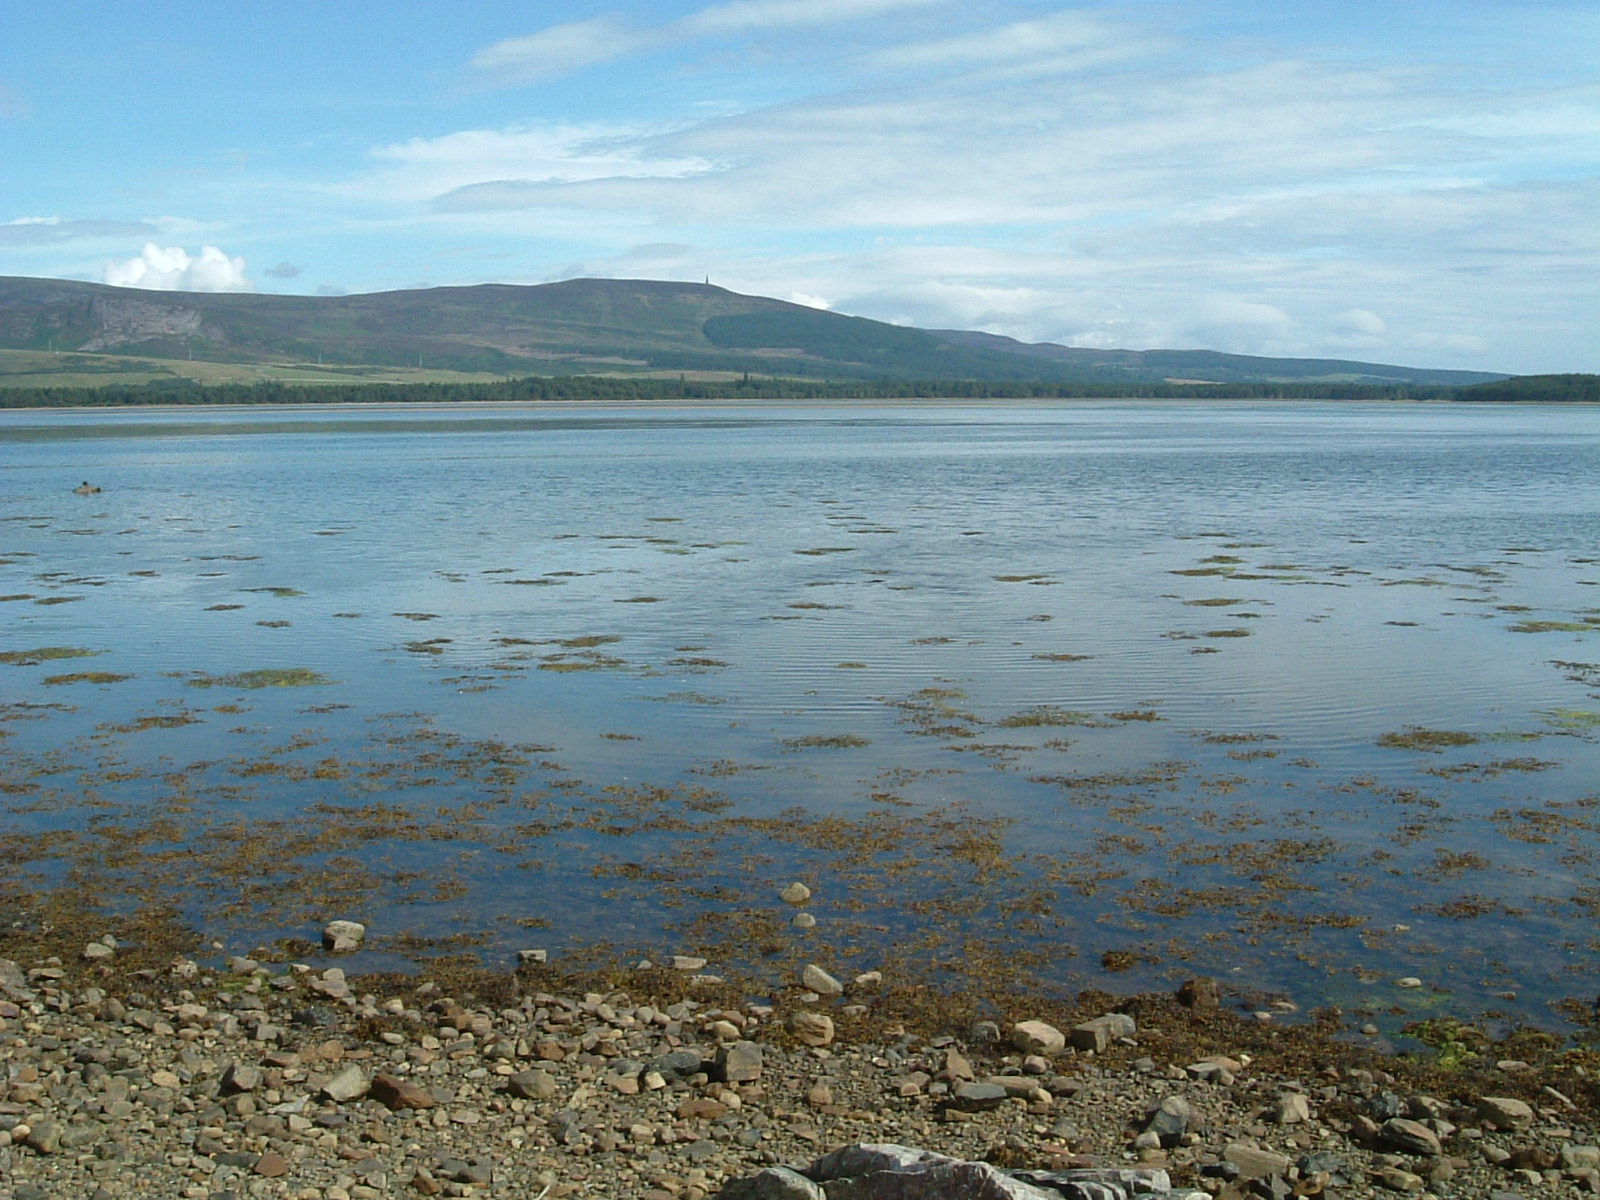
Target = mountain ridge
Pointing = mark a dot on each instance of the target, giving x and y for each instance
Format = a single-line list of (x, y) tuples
[(602, 326)]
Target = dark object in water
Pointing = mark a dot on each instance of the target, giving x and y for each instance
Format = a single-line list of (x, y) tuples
[(85, 489)]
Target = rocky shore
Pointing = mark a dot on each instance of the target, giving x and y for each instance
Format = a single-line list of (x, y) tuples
[(241, 1078)]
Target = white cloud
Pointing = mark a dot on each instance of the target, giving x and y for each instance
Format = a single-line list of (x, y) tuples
[(171, 268), (551, 155), (560, 50), (808, 300), (744, 16), (1022, 39), (35, 231)]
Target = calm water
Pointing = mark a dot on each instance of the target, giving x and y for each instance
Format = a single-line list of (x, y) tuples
[(1305, 696)]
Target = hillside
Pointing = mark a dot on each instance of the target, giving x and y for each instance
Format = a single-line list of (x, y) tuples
[(593, 326)]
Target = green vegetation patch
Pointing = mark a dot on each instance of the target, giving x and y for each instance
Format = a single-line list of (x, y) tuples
[(87, 677), (818, 741), (265, 677), (1046, 714), (39, 654), (1416, 737), (1586, 626), (1571, 720)]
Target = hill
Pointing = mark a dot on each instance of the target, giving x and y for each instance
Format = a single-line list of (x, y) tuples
[(593, 326)]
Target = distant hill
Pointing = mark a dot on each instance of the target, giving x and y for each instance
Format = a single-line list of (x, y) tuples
[(598, 326), (1209, 366)]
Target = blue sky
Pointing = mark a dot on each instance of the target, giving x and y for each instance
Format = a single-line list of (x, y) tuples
[(1401, 182)]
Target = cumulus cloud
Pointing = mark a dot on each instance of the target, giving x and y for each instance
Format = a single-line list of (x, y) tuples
[(171, 268)]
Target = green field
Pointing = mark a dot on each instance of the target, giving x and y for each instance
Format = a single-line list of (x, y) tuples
[(42, 368)]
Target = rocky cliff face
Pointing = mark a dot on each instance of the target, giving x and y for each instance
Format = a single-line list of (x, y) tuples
[(121, 321)]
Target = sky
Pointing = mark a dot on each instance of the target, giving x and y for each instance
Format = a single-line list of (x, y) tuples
[(1412, 181)]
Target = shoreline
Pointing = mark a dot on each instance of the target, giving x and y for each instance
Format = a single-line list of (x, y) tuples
[(180, 1078)]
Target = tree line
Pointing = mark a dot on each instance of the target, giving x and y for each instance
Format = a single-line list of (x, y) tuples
[(624, 388)]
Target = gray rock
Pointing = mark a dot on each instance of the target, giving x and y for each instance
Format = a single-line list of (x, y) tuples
[(1385, 1105), (1170, 1120), (1504, 1112), (811, 1029), (1410, 1137), (1293, 1109), (1036, 1037), (341, 937), (820, 982), (676, 1064), (977, 1097), (1580, 1158), (1254, 1162), (349, 1084), (795, 893), (44, 1136), (1397, 1179), (774, 1183), (532, 1084), (240, 1077), (738, 1062), (1099, 1033), (529, 958)]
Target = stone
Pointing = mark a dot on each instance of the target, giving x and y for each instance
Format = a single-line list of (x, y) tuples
[(1098, 1034), (529, 958), (773, 1183), (795, 893), (349, 1084), (1580, 1158), (815, 979), (532, 1084), (1200, 992), (271, 1165), (687, 962), (676, 1064), (1504, 1112), (341, 937), (396, 1093), (738, 1062), (240, 1077), (803, 920), (1293, 1109), (1170, 1120), (1036, 1037), (1410, 981), (98, 951), (977, 1097), (44, 1136), (811, 1029), (1254, 1162), (1410, 1137), (1398, 1180)]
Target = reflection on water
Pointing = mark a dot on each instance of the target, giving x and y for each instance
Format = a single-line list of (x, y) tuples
[(1302, 693)]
